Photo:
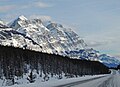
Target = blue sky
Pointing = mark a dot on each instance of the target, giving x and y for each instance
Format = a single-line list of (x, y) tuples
[(96, 21)]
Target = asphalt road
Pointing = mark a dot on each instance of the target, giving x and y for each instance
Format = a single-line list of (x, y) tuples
[(112, 80)]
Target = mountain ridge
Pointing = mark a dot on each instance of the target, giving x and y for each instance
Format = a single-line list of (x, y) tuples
[(51, 38)]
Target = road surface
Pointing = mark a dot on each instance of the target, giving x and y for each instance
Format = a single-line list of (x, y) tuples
[(112, 80)]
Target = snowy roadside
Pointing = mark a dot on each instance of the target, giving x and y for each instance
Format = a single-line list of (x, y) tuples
[(55, 82)]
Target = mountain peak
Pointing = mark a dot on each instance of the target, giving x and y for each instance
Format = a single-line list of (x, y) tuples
[(22, 17), (1, 22), (19, 22), (54, 25)]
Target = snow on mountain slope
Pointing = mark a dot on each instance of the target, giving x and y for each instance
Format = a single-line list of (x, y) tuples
[(109, 61), (13, 38), (85, 54), (33, 34), (20, 21), (2, 24)]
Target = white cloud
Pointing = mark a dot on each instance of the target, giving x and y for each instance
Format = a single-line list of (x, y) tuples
[(100, 41), (42, 5), (37, 4), (42, 17), (6, 8), (96, 43)]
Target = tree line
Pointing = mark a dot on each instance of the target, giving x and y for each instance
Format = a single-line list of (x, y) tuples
[(18, 61)]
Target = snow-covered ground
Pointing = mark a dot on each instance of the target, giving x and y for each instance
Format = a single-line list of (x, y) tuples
[(55, 83), (107, 80)]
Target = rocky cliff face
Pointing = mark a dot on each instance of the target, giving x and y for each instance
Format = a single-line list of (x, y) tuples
[(32, 34)]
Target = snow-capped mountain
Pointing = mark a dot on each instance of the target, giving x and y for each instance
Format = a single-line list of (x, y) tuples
[(48, 37), (33, 34), (2, 24), (85, 54), (109, 61), (91, 54)]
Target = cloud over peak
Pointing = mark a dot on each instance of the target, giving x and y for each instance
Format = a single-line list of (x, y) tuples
[(42, 17)]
